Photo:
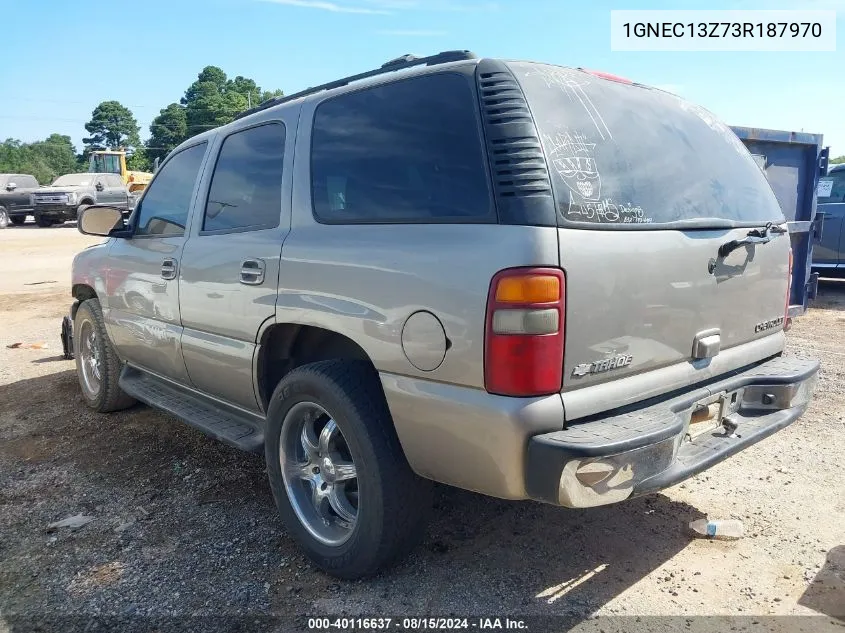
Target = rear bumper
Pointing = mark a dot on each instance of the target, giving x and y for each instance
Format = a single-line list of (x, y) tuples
[(644, 449)]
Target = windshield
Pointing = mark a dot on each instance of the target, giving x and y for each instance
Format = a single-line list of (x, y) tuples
[(831, 188), (73, 180), (104, 164), (623, 155)]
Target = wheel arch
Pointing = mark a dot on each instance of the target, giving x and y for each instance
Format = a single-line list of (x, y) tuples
[(283, 347), (81, 292)]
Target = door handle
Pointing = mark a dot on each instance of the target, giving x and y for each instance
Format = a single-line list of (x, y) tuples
[(252, 272), (168, 268)]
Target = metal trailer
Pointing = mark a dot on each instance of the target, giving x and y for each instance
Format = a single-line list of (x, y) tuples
[(793, 163)]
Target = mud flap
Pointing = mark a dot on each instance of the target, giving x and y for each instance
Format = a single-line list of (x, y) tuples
[(67, 338)]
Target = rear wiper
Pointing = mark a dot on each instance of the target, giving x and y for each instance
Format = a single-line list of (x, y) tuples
[(754, 236)]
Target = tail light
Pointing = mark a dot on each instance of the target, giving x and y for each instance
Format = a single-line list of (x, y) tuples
[(786, 323), (609, 76), (524, 334)]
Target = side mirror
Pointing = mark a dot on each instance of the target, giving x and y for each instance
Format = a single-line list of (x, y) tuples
[(11, 186), (100, 220), (99, 186)]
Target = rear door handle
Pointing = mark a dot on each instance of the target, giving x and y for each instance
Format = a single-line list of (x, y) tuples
[(168, 268), (252, 272)]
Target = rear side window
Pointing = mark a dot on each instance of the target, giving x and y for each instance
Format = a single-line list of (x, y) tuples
[(409, 151), (831, 188), (164, 209), (246, 188), (622, 154)]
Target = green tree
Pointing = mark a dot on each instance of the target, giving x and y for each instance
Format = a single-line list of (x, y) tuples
[(139, 160), (837, 160), (112, 125), (214, 99), (167, 130), (45, 159)]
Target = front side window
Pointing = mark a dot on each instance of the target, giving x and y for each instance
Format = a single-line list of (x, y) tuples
[(407, 151), (167, 201), (831, 188), (246, 188)]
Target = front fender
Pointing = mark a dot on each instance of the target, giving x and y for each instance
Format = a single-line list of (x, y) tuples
[(89, 270)]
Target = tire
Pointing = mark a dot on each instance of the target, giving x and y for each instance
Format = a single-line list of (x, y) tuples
[(18, 220), (390, 502), (4, 218), (43, 221), (103, 394), (80, 209)]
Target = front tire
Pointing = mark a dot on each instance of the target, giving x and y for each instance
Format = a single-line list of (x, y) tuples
[(43, 221), (97, 364), (338, 474), (4, 218)]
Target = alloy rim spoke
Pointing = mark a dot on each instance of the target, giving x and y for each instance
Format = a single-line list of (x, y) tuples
[(326, 436), (308, 444), (344, 471), (341, 505)]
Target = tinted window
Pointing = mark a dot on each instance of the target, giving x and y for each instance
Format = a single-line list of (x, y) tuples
[(622, 154), (246, 188), (408, 151), (831, 188), (167, 201)]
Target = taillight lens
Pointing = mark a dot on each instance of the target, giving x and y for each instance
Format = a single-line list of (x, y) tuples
[(524, 334), (788, 290), (609, 76)]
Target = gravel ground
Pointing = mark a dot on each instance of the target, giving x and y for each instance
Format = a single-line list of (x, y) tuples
[(186, 526)]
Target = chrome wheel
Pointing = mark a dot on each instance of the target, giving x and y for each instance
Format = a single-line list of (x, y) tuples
[(4, 219), (319, 474), (90, 361)]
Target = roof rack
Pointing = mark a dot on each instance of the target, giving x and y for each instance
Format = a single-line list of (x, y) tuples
[(400, 63)]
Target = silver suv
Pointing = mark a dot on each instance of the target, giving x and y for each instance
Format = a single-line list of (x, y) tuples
[(524, 280)]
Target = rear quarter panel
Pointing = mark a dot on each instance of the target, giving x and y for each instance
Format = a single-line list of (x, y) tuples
[(364, 281)]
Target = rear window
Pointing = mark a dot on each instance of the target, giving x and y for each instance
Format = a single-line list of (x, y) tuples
[(623, 155), (831, 188)]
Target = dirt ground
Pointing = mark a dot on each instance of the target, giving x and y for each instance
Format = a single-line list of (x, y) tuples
[(184, 525)]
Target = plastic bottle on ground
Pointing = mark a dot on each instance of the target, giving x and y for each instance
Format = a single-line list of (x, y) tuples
[(718, 528)]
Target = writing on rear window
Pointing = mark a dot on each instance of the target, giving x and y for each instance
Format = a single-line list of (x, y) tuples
[(622, 155), (572, 153)]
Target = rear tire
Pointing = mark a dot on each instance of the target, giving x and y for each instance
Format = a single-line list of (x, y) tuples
[(4, 218), (384, 511), (97, 364), (18, 220)]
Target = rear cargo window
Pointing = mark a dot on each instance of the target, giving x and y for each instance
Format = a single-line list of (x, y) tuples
[(622, 155)]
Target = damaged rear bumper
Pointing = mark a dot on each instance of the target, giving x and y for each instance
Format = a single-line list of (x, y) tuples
[(607, 459)]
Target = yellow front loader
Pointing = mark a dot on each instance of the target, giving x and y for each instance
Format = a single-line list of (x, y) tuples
[(114, 162)]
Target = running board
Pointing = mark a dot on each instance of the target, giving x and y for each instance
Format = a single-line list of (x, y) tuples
[(227, 424)]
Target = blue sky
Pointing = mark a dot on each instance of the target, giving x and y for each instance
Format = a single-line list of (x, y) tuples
[(61, 58)]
